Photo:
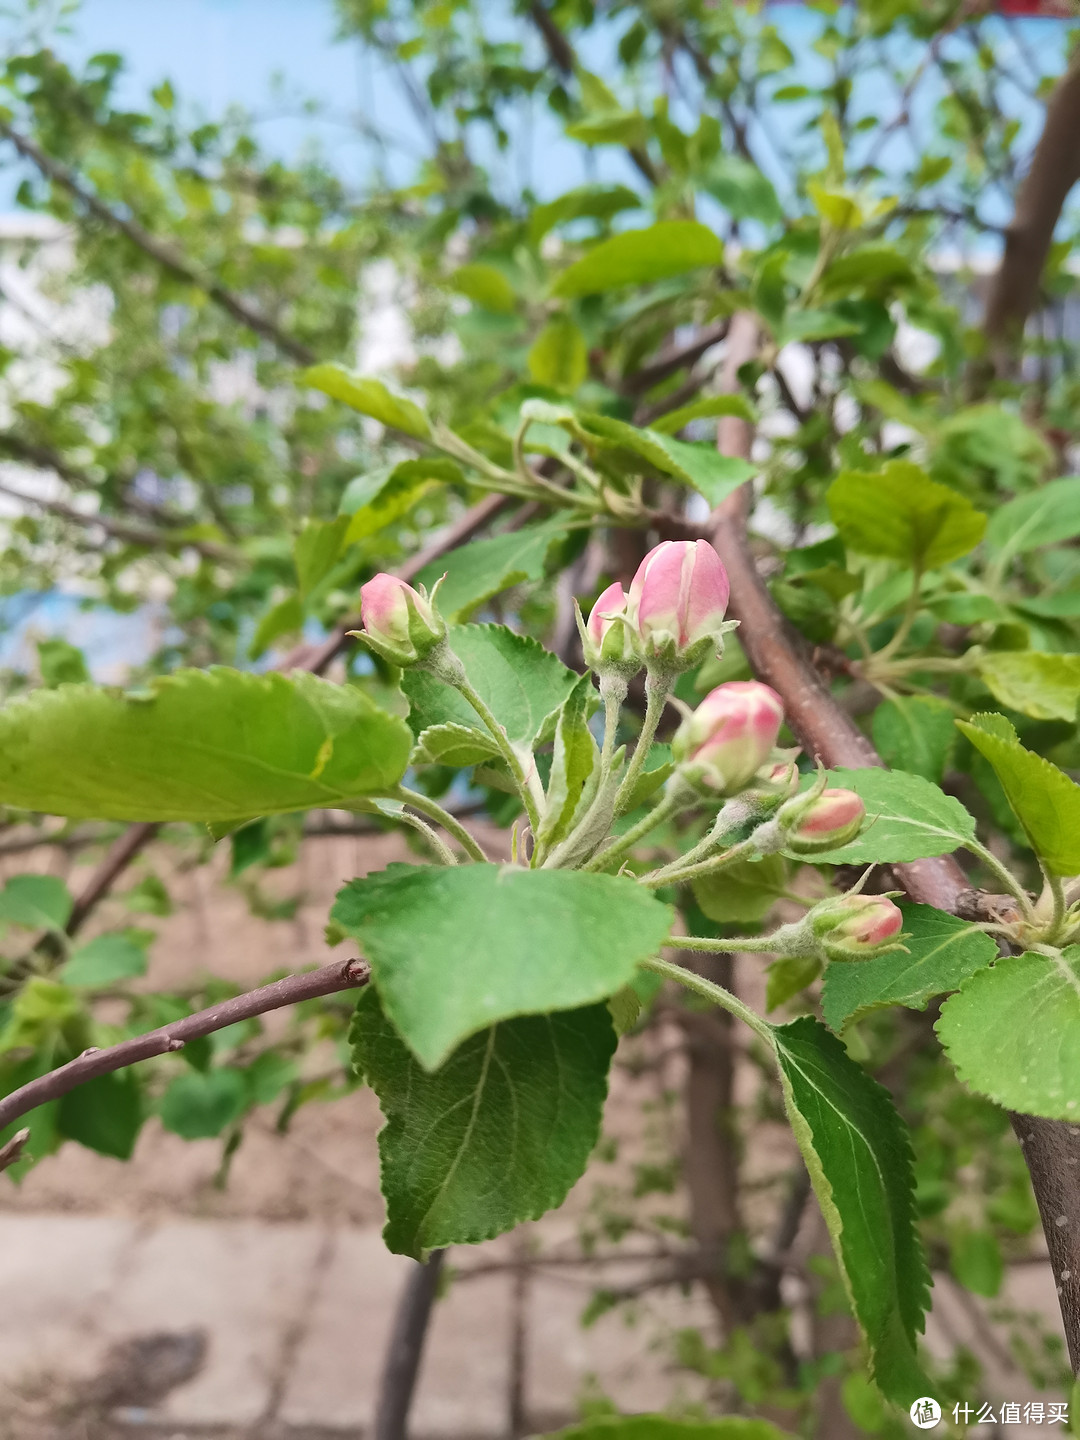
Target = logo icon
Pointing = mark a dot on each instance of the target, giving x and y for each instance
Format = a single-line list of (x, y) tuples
[(925, 1413)]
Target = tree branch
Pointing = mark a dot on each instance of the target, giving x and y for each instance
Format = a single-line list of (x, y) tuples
[(163, 254), (1054, 170), (329, 980), (406, 1348), (778, 656)]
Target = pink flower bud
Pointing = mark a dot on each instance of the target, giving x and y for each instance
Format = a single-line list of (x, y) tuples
[(730, 735), (605, 638), (677, 602), (823, 822), (400, 623), (852, 925)]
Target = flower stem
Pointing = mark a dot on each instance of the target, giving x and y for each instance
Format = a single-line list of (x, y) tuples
[(434, 811), (716, 993), (727, 944), (671, 875), (509, 754), (671, 804), (658, 685)]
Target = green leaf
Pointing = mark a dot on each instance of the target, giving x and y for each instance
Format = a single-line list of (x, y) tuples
[(659, 1427), (284, 618), (787, 976), (805, 325), (1013, 1033), (975, 1260), (705, 409), (857, 1150), (743, 892), (494, 941), (200, 1104), (916, 734), (38, 902), (636, 257), (484, 285), (104, 1114), (573, 765), (316, 548), (1041, 684), (698, 464), (743, 191), (61, 663), (908, 818), (942, 952), (497, 1135), (104, 961), (476, 571), (1045, 516), (205, 745), (1042, 797), (370, 397), (454, 745), (559, 356), (590, 202), (523, 683), (899, 512), (610, 127)]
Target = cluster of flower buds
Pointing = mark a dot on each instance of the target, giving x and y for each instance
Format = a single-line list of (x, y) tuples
[(673, 617), (851, 927), (401, 624), (730, 737)]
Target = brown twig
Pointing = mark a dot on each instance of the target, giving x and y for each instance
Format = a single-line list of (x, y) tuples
[(163, 254), (1053, 171), (328, 980), (402, 1367)]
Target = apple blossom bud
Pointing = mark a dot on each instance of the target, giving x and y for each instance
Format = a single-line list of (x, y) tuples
[(851, 926), (677, 602), (400, 624), (816, 823), (730, 736), (606, 641)]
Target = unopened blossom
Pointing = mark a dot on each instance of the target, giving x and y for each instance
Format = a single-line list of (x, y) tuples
[(399, 623), (816, 823), (851, 926), (730, 736), (677, 603), (605, 639)]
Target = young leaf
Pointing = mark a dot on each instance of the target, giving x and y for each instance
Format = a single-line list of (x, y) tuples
[(636, 257), (915, 733), (205, 745), (573, 763), (899, 512), (708, 408), (701, 465), (942, 951), (199, 1105), (908, 818), (316, 548), (743, 191), (456, 949), (370, 397), (476, 571), (37, 902), (486, 286), (497, 1135), (857, 1150), (659, 1427), (1045, 516), (593, 202), (1043, 685), (104, 961), (559, 356), (104, 1114), (284, 618), (1043, 798), (743, 892), (1013, 1033), (454, 745), (523, 683), (375, 500)]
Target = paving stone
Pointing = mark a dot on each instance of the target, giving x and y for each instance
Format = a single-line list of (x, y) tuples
[(335, 1372), (244, 1283), (56, 1273)]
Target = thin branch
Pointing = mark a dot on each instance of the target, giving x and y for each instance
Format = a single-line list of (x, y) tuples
[(402, 1367), (122, 529), (675, 358), (1054, 170), (329, 980), (120, 855), (163, 254)]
